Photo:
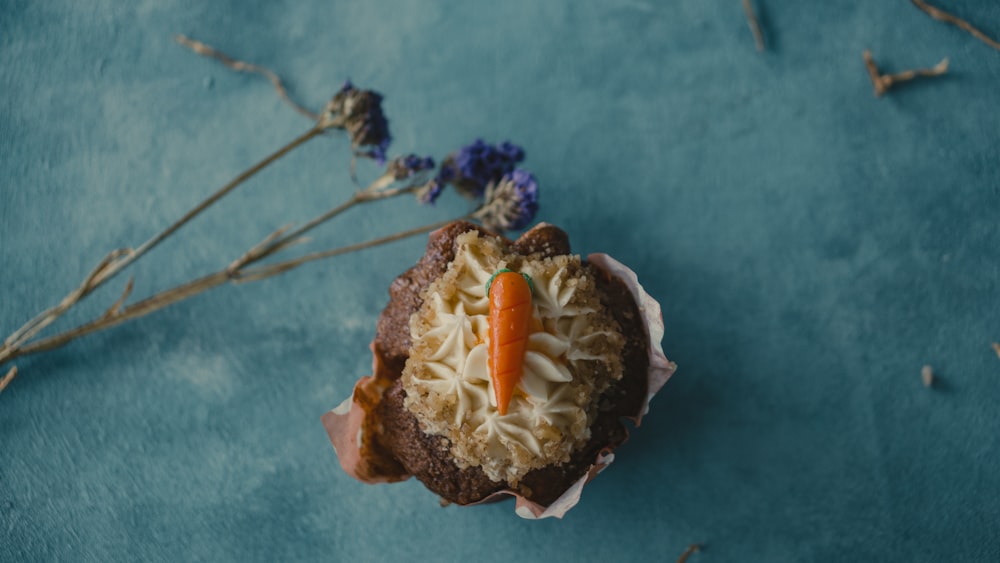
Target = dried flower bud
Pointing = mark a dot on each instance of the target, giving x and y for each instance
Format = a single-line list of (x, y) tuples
[(429, 192), (511, 203), (359, 112), (477, 165), (472, 168), (405, 167)]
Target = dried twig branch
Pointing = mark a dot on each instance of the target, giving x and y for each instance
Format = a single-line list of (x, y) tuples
[(927, 376), (8, 378), (941, 15), (883, 82), (758, 37), (201, 285), (118, 260), (48, 316), (693, 548), (116, 307), (270, 270), (236, 272), (281, 239), (205, 50)]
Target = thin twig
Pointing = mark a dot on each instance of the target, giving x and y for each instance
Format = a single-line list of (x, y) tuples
[(119, 259), (201, 285), (263, 272), (240, 66), (48, 316), (281, 239), (273, 243), (927, 376), (141, 308), (246, 175), (116, 307), (256, 250), (883, 82), (758, 37), (941, 15), (8, 378), (693, 548)]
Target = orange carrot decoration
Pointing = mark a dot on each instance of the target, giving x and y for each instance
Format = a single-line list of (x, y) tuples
[(510, 317)]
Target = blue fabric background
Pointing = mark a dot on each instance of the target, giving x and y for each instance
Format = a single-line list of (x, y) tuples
[(812, 247)]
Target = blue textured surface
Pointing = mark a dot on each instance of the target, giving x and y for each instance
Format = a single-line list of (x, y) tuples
[(812, 246)]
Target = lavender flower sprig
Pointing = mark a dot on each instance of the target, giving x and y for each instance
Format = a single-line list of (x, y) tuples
[(359, 112), (480, 171), (473, 167), (511, 203)]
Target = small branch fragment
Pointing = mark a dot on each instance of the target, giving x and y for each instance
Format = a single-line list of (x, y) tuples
[(117, 306), (996, 348), (758, 37), (927, 376), (263, 272), (693, 548), (93, 280), (240, 66), (943, 16), (8, 378), (883, 82), (255, 252)]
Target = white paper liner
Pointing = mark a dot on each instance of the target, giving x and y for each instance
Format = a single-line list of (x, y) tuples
[(348, 432)]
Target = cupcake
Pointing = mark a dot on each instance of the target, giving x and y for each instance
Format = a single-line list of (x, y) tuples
[(503, 368)]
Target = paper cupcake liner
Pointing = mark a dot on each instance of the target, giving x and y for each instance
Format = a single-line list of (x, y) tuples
[(352, 426)]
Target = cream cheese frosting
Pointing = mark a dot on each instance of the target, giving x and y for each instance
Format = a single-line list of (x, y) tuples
[(573, 354)]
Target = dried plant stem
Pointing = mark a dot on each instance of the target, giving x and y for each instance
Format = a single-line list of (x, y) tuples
[(118, 260), (927, 376), (267, 271), (8, 378), (693, 548), (240, 66), (883, 82), (117, 315), (941, 15), (280, 240), (758, 37), (246, 175)]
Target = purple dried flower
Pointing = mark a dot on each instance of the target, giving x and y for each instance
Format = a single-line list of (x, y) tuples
[(478, 164), (472, 168), (511, 203), (511, 151), (403, 167), (359, 112), (430, 191), (447, 172)]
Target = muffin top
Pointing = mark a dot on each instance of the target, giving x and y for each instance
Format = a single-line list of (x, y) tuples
[(574, 354)]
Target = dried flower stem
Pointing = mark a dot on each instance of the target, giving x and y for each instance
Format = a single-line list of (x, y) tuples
[(269, 270), (883, 82), (116, 316), (693, 548), (941, 15), (118, 260), (8, 378), (240, 66), (927, 376), (758, 37)]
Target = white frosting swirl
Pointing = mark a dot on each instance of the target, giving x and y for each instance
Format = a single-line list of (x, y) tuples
[(573, 353)]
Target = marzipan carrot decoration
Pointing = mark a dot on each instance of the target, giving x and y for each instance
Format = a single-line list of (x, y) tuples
[(510, 317)]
